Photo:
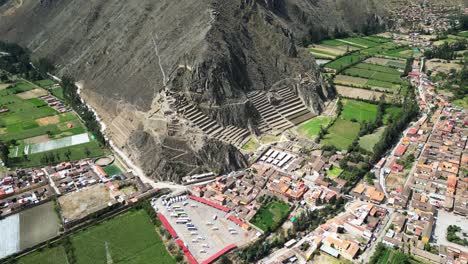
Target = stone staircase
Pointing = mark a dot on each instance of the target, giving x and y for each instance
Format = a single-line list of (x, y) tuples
[(230, 134), (292, 107), (270, 117)]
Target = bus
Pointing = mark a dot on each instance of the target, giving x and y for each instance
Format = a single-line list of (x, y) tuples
[(175, 207)]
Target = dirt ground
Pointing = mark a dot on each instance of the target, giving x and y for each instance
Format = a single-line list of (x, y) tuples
[(352, 92), (36, 140), (3, 130), (4, 86), (441, 66), (48, 120), (34, 93), (80, 203), (395, 180)]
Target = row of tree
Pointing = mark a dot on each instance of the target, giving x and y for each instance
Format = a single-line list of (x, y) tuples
[(70, 92)]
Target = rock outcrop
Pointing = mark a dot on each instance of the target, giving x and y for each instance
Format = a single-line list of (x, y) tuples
[(135, 56)]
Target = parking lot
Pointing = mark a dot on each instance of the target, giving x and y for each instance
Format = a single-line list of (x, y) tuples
[(212, 230)]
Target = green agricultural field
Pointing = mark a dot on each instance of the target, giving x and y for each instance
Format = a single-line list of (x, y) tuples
[(112, 170), (87, 150), (58, 92), (368, 142), (341, 134), (360, 42), (360, 111), (382, 84), (335, 172), (378, 68), (53, 255), (379, 49), (377, 39), (337, 43), (463, 34), (45, 83), (402, 52), (17, 88), (374, 75), (312, 127), (321, 52), (344, 61), (130, 238), (271, 215)]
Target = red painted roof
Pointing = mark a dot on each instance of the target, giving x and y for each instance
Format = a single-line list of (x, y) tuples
[(210, 203), (400, 150), (412, 131), (167, 225), (236, 220), (187, 253), (219, 254)]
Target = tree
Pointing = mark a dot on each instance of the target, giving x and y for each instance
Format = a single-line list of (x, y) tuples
[(4, 152)]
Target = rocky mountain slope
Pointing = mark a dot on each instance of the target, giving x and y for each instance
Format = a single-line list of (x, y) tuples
[(133, 57)]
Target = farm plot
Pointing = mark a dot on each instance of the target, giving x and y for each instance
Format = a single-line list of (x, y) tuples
[(45, 83), (368, 142), (35, 93), (53, 255), (76, 152), (402, 52), (393, 63), (357, 93), (38, 224), (374, 75), (377, 68), (377, 39), (350, 80), (344, 62), (341, 44), (341, 134), (129, 238), (361, 42), (10, 242), (59, 143), (360, 111), (271, 215)]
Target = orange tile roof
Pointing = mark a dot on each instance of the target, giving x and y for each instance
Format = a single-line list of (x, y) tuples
[(359, 189)]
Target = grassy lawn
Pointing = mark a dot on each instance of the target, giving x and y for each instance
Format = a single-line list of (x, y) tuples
[(312, 127), (112, 170), (361, 111), (368, 142), (130, 238), (269, 216), (341, 134), (463, 34), (86, 150), (53, 255), (251, 145), (334, 172)]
